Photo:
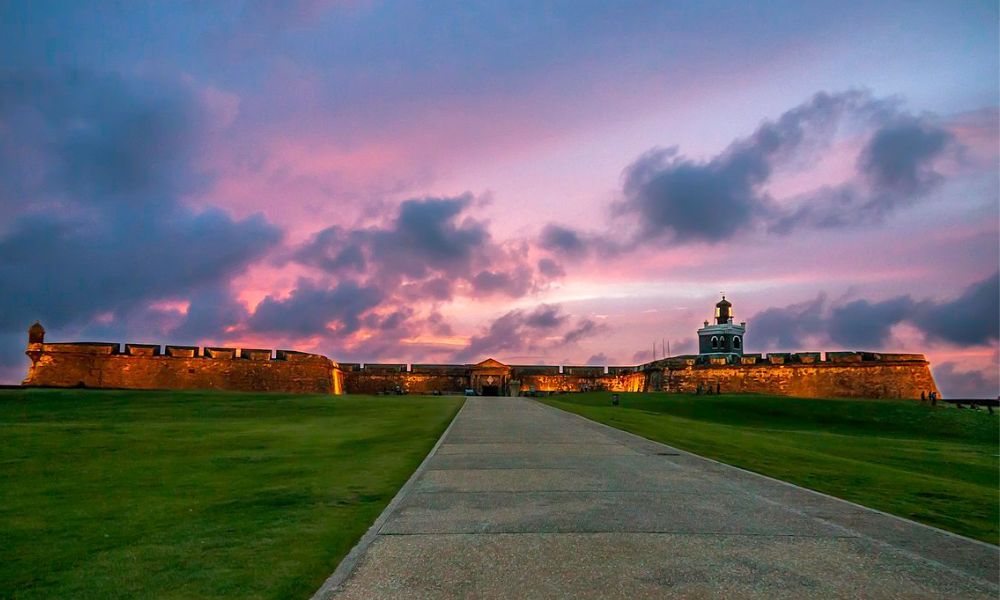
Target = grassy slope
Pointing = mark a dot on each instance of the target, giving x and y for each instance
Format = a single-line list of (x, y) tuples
[(937, 466), (109, 494)]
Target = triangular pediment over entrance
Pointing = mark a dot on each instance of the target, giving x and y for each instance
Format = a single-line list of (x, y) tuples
[(489, 363), (490, 378)]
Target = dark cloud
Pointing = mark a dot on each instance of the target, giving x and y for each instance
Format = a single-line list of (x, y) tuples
[(825, 208), (787, 327), (520, 330), (584, 329), (690, 201), (973, 318), (312, 308), (578, 245), (550, 268), (427, 247), (898, 157), (709, 201), (642, 357), (334, 250), (895, 169), (65, 271), (865, 324), (13, 362), (545, 316), (437, 290), (426, 236), (507, 332), (76, 137), (438, 325), (598, 360), (423, 254), (101, 230), (681, 200), (211, 314), (954, 383), (562, 239), (687, 345), (393, 321), (514, 283), (428, 233), (428, 251), (394, 334)]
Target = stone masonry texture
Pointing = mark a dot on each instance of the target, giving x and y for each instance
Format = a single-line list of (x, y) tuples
[(101, 366), (143, 366)]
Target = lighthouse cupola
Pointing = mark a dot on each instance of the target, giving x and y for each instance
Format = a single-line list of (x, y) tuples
[(723, 311), (722, 340)]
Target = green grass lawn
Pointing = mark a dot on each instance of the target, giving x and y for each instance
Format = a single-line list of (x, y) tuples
[(937, 465), (116, 494)]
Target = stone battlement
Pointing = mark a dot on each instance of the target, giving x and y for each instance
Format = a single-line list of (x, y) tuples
[(785, 358), (169, 351), (435, 369), (151, 366)]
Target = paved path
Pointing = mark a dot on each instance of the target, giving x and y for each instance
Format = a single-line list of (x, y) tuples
[(521, 500)]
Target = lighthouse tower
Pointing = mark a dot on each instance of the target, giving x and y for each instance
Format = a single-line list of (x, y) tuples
[(723, 337)]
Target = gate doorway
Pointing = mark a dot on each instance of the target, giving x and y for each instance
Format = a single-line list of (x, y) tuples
[(490, 378)]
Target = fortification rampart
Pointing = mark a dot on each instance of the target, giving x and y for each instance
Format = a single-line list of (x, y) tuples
[(804, 374), (420, 379), (374, 378), (629, 382), (146, 366)]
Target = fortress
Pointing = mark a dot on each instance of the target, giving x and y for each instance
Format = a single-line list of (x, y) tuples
[(720, 365)]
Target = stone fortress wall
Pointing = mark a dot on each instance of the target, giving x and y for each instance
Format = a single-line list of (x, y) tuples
[(376, 378), (804, 374), (144, 366)]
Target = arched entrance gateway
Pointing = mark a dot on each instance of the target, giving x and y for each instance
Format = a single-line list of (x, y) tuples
[(491, 378)]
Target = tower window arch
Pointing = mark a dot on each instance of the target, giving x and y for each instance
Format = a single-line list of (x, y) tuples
[(737, 342), (715, 343)]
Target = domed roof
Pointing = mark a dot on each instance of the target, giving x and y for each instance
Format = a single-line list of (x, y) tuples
[(36, 334), (723, 303)]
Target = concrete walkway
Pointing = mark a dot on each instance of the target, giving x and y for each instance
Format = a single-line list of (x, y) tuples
[(520, 500)]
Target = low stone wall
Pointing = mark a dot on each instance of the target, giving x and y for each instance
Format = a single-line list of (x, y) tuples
[(455, 379), (141, 366), (629, 382), (367, 381)]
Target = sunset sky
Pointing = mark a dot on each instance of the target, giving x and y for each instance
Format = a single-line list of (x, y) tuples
[(540, 182)]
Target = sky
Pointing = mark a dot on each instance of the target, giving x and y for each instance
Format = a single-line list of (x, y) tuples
[(538, 182)]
